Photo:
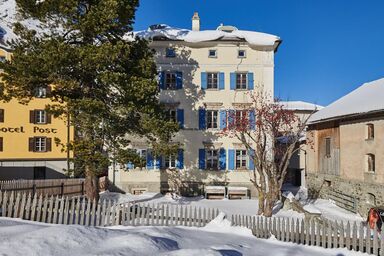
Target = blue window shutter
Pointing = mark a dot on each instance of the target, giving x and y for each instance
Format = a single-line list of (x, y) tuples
[(202, 158), (223, 119), (231, 159), (251, 154), (203, 80), (180, 159), (179, 80), (233, 81), (130, 165), (231, 118), (252, 119), (149, 160), (202, 119), (180, 117), (161, 80), (250, 81), (158, 162), (222, 159), (221, 81)]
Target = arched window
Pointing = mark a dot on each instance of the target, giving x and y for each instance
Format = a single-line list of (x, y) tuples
[(370, 131), (371, 199), (370, 162)]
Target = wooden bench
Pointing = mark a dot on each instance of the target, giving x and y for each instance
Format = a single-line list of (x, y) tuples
[(237, 193), (214, 192)]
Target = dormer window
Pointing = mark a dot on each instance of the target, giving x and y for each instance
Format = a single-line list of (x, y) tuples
[(212, 53), (241, 54), (170, 53), (41, 92)]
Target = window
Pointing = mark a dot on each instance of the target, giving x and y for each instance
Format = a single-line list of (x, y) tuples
[(143, 155), (2, 59), (212, 159), (241, 118), (328, 147), (40, 144), (41, 92), (1, 115), (212, 81), (1, 144), (170, 81), (370, 131), (241, 159), (212, 53), (172, 115), (170, 52), (170, 161), (40, 117), (241, 54), (212, 119), (370, 162), (241, 81), (371, 199)]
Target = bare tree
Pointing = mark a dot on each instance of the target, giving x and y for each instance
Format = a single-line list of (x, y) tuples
[(271, 134)]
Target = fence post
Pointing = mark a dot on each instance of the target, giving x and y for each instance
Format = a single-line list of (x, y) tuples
[(82, 188), (62, 189), (33, 189)]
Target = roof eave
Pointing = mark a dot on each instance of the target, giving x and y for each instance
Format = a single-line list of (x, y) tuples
[(345, 116)]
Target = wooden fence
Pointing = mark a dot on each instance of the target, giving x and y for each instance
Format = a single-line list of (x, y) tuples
[(61, 187), (78, 210), (343, 200), (323, 233)]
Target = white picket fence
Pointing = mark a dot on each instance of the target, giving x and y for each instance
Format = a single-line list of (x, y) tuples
[(78, 210), (323, 233)]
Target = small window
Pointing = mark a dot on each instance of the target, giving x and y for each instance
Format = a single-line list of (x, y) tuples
[(169, 161), (241, 54), (41, 116), (212, 53), (212, 81), (370, 131), (241, 81), (241, 119), (170, 81), (1, 115), (328, 147), (212, 159), (371, 199), (1, 144), (241, 159), (212, 119), (41, 92), (170, 53), (40, 144), (370, 162), (172, 115)]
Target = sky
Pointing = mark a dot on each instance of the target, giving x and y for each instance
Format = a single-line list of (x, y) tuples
[(329, 48)]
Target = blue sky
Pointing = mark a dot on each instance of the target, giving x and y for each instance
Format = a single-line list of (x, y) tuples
[(329, 48)]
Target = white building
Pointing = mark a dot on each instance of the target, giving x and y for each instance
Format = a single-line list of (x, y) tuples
[(203, 75)]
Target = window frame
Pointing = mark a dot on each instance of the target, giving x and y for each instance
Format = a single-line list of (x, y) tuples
[(240, 85), (40, 144), (40, 116), (41, 92), (170, 52), (210, 116), (242, 157), (211, 78), (370, 132), (212, 156), (238, 53), (371, 163), (170, 80), (209, 53), (172, 115), (169, 161)]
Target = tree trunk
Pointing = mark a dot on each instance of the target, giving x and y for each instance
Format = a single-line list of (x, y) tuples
[(271, 199), (91, 185), (261, 197)]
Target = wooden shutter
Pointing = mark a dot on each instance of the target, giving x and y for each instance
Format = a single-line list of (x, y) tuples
[(49, 118), (31, 144), (222, 159), (180, 159), (48, 142), (1, 115), (203, 80), (221, 81), (180, 117), (1, 144), (32, 117), (232, 84), (202, 158), (250, 81), (179, 80), (231, 159), (202, 125)]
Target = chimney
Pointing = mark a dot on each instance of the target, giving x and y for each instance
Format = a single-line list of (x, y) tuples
[(195, 22)]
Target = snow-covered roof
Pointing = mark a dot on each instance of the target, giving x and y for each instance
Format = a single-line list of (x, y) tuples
[(171, 33), (300, 105), (365, 99)]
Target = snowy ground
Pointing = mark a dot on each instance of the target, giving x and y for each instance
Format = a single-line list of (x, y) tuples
[(19, 237)]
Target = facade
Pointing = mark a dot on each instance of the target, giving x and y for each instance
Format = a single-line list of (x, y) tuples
[(202, 76), (346, 160), (27, 137)]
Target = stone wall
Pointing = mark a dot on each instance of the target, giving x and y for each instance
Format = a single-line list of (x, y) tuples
[(366, 194)]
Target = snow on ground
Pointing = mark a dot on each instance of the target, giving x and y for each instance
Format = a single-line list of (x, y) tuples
[(19, 237), (125, 198)]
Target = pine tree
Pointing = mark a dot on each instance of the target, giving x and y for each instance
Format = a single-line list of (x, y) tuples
[(104, 82)]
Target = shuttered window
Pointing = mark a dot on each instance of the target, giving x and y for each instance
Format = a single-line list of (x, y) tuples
[(39, 116), (40, 144)]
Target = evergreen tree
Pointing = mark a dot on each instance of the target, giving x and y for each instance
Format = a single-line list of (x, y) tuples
[(104, 82)]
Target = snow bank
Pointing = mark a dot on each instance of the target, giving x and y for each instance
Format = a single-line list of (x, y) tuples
[(223, 225), (366, 98), (125, 198)]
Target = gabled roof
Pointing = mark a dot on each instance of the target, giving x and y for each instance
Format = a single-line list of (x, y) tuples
[(366, 99)]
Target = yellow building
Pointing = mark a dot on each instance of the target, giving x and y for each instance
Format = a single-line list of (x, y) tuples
[(27, 138)]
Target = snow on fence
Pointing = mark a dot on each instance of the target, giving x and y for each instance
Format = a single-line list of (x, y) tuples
[(80, 211), (323, 233)]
